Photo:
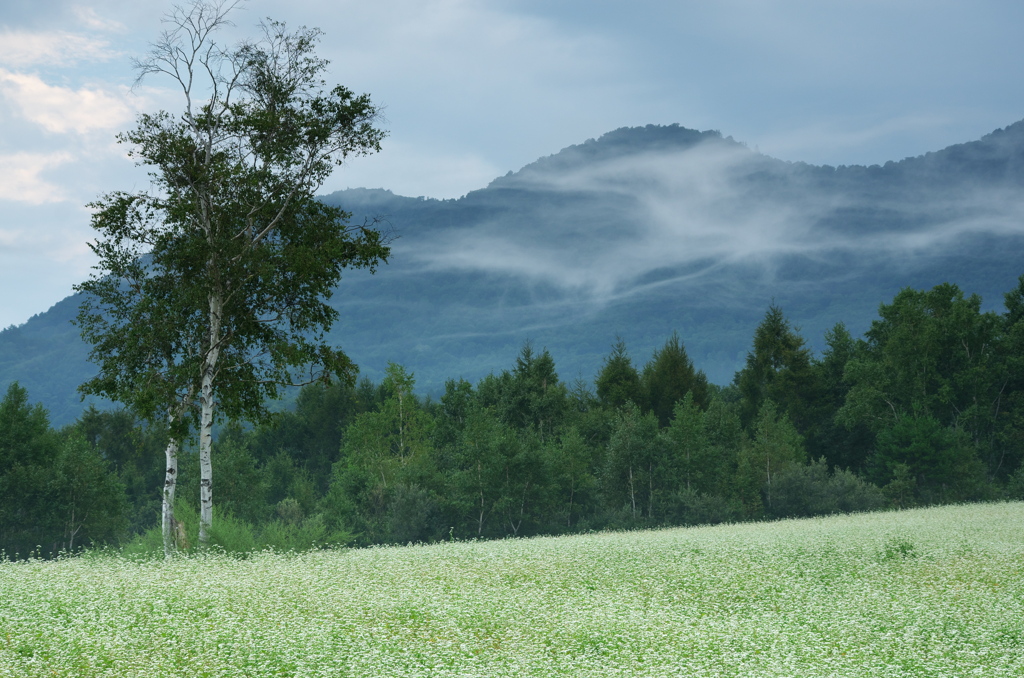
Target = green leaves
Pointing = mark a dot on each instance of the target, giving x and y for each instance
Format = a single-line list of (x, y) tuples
[(56, 492), (931, 352), (233, 217)]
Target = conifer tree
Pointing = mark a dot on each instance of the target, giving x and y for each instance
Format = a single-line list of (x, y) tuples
[(669, 376), (618, 382), (778, 368)]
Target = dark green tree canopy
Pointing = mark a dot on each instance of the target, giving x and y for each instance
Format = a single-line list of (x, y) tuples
[(930, 353), (528, 395), (56, 491), (25, 436), (669, 376), (778, 368), (232, 217), (618, 382)]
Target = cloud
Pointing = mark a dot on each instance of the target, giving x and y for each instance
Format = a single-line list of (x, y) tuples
[(848, 141), (20, 49), (10, 238), (631, 216), (413, 171), (21, 180), (62, 109), (477, 78), (89, 17), (609, 229)]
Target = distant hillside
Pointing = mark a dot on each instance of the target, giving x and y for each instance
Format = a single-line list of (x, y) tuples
[(636, 234)]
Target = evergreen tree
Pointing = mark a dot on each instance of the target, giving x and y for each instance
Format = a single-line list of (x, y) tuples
[(530, 396), (778, 368), (25, 434), (311, 435), (688, 446), (618, 382), (28, 452), (942, 461), (385, 452), (476, 477), (55, 494), (723, 434), (668, 377), (931, 353), (842, 446), (931, 356), (525, 477), (87, 502), (456, 404), (133, 452), (1008, 450), (574, 465)]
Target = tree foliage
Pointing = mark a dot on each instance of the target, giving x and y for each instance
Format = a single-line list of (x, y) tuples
[(213, 285), (56, 492), (892, 423), (618, 382), (668, 377), (778, 368)]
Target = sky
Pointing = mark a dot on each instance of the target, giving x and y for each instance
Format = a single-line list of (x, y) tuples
[(471, 90)]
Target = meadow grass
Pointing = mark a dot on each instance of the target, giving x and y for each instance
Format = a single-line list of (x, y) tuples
[(932, 592)]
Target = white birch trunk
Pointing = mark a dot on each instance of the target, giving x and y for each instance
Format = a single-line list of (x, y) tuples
[(483, 510), (632, 491), (170, 484), (206, 422)]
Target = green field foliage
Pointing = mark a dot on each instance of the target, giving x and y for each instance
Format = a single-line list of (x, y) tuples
[(923, 592)]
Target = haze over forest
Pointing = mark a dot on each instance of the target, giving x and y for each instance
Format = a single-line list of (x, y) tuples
[(637, 234)]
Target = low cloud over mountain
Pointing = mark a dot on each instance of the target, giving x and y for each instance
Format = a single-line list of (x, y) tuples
[(649, 230)]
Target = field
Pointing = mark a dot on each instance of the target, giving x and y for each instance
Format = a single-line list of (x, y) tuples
[(934, 592)]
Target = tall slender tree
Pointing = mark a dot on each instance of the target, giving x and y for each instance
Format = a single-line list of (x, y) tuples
[(1011, 414), (636, 468), (213, 287)]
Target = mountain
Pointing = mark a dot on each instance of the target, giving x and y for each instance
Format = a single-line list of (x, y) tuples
[(640, 233)]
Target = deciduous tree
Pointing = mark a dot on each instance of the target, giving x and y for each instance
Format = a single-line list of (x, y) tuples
[(212, 287)]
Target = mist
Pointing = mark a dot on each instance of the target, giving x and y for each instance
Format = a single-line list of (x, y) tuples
[(605, 230)]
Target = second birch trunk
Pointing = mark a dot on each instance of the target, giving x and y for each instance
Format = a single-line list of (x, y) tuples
[(206, 403)]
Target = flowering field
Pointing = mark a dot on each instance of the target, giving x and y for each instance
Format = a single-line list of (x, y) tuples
[(935, 592)]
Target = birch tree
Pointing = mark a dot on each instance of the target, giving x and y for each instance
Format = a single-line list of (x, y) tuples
[(212, 287)]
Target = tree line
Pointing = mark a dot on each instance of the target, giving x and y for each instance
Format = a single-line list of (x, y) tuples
[(927, 407), (211, 295)]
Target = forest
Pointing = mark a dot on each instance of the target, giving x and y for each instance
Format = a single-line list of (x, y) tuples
[(926, 408)]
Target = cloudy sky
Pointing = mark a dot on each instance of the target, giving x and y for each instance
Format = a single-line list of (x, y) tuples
[(473, 89)]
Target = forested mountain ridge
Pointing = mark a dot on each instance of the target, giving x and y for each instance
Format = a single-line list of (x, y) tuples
[(637, 234)]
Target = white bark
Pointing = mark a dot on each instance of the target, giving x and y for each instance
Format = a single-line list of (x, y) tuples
[(483, 509), (632, 491), (169, 526), (170, 484), (206, 402)]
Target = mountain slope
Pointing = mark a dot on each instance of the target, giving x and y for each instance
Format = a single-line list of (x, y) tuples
[(636, 234)]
